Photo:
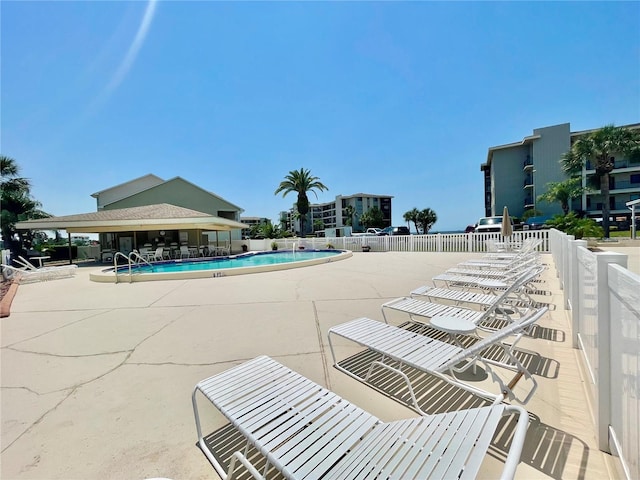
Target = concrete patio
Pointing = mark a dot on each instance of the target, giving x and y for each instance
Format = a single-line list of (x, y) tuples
[(97, 378)]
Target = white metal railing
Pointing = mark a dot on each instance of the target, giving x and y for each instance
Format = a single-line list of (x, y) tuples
[(604, 299), (439, 242), (134, 258)]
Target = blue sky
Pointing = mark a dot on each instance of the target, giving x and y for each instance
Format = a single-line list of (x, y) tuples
[(393, 98)]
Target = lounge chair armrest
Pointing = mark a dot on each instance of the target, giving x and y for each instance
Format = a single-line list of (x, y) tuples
[(517, 442)]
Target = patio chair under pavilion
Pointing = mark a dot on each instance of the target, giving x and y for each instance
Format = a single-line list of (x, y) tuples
[(135, 220)]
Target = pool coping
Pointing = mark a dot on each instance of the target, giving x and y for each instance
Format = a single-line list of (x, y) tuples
[(109, 276)]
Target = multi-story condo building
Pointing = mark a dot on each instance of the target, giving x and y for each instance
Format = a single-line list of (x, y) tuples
[(252, 221), (516, 173), (335, 213)]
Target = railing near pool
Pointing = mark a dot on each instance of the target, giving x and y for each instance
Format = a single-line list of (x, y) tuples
[(439, 242), (134, 258)]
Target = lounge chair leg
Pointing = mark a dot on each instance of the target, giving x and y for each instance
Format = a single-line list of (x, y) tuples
[(405, 378), (237, 456)]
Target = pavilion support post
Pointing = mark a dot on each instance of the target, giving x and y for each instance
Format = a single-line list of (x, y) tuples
[(70, 249)]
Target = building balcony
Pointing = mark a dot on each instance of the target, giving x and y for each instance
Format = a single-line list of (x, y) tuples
[(617, 165), (528, 163)]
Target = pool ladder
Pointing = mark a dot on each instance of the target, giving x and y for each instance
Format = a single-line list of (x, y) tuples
[(134, 258)]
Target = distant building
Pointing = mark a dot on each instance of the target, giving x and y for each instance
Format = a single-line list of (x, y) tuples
[(334, 214), (253, 221), (516, 173)]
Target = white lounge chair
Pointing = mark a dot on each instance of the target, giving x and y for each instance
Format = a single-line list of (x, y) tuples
[(495, 267), (51, 272), (500, 249), (26, 275), (490, 280), (518, 297), (308, 432), (501, 306), (401, 348)]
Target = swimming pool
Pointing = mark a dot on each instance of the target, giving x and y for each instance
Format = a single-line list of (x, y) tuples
[(252, 262)]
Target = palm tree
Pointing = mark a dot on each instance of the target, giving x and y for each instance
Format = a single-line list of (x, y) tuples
[(301, 181), (412, 216), (372, 218), (17, 203), (426, 219), (562, 192), (349, 211), (599, 148)]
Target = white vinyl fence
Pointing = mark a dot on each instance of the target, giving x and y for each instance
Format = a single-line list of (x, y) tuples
[(604, 299), (439, 242)]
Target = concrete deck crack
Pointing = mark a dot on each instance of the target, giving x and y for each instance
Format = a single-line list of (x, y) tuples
[(102, 312), (57, 355), (75, 388), (30, 427)]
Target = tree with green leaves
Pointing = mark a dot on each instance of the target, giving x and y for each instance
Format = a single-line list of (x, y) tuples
[(17, 204), (348, 212), (571, 224), (426, 219), (531, 212), (372, 218), (318, 225), (301, 181), (269, 230), (562, 192), (600, 148), (412, 217)]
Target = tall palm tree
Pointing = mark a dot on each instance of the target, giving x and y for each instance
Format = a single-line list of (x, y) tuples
[(12, 183), (16, 201), (562, 192), (301, 181), (426, 219), (599, 148), (412, 216)]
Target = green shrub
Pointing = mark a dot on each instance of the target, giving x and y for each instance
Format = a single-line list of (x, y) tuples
[(578, 227)]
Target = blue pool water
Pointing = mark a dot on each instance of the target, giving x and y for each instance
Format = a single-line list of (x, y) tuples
[(247, 260)]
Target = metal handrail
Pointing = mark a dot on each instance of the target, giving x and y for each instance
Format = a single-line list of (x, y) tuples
[(130, 262), (115, 264), (135, 254)]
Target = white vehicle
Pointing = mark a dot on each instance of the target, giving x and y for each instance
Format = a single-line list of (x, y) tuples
[(489, 224), (375, 231)]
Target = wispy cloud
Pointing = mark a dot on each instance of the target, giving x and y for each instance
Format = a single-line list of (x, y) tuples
[(133, 50)]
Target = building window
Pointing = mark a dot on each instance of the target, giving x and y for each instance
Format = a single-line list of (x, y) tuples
[(634, 178)]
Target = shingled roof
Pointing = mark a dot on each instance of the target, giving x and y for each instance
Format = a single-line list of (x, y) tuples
[(163, 216)]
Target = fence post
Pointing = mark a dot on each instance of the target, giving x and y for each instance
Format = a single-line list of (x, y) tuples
[(564, 274), (603, 388), (574, 295)]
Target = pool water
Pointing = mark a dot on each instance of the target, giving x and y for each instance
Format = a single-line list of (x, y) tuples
[(248, 260), (253, 262)]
